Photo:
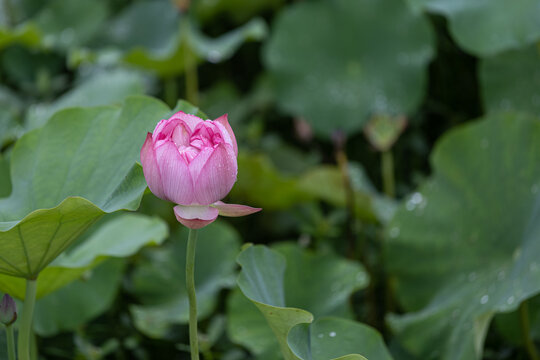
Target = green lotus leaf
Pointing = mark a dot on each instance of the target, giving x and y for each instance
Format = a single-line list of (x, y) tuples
[(335, 338), (488, 27), (162, 290), (464, 246), (275, 281), (329, 68), (120, 237), (510, 81), (66, 175)]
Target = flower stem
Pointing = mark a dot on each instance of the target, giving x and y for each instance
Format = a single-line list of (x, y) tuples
[(10, 342), (190, 284), (25, 328), (387, 168), (525, 330)]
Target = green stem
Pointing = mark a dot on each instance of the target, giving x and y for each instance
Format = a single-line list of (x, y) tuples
[(389, 188), (387, 168), (190, 284), (10, 342), (25, 328), (343, 164), (525, 330)]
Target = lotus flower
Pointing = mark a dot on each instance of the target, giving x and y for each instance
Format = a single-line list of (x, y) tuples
[(192, 162)]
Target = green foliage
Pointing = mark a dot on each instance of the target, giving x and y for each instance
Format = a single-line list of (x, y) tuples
[(154, 36), (510, 81), (272, 279), (129, 232), (104, 88), (326, 50), (161, 290), (335, 338), (62, 182), (238, 10), (342, 100), (80, 301), (65, 25), (488, 27), (441, 244)]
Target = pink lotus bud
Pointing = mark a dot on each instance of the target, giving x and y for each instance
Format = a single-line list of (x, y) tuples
[(8, 310), (192, 162)]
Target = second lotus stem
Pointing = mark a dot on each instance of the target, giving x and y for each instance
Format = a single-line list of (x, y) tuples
[(387, 170), (10, 342)]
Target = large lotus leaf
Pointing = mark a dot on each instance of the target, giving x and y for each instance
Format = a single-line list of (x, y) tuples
[(152, 35), (247, 326), (337, 62), (277, 283), (120, 237), (102, 88), (158, 281), (486, 27), (66, 175), (511, 81), (466, 245), (335, 338), (80, 301)]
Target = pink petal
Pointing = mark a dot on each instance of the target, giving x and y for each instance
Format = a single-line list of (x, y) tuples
[(150, 168), (181, 134), (177, 182), (224, 122), (164, 129), (216, 176), (191, 120), (234, 210), (195, 217), (198, 162)]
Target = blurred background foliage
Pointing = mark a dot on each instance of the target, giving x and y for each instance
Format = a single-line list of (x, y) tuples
[(393, 144)]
